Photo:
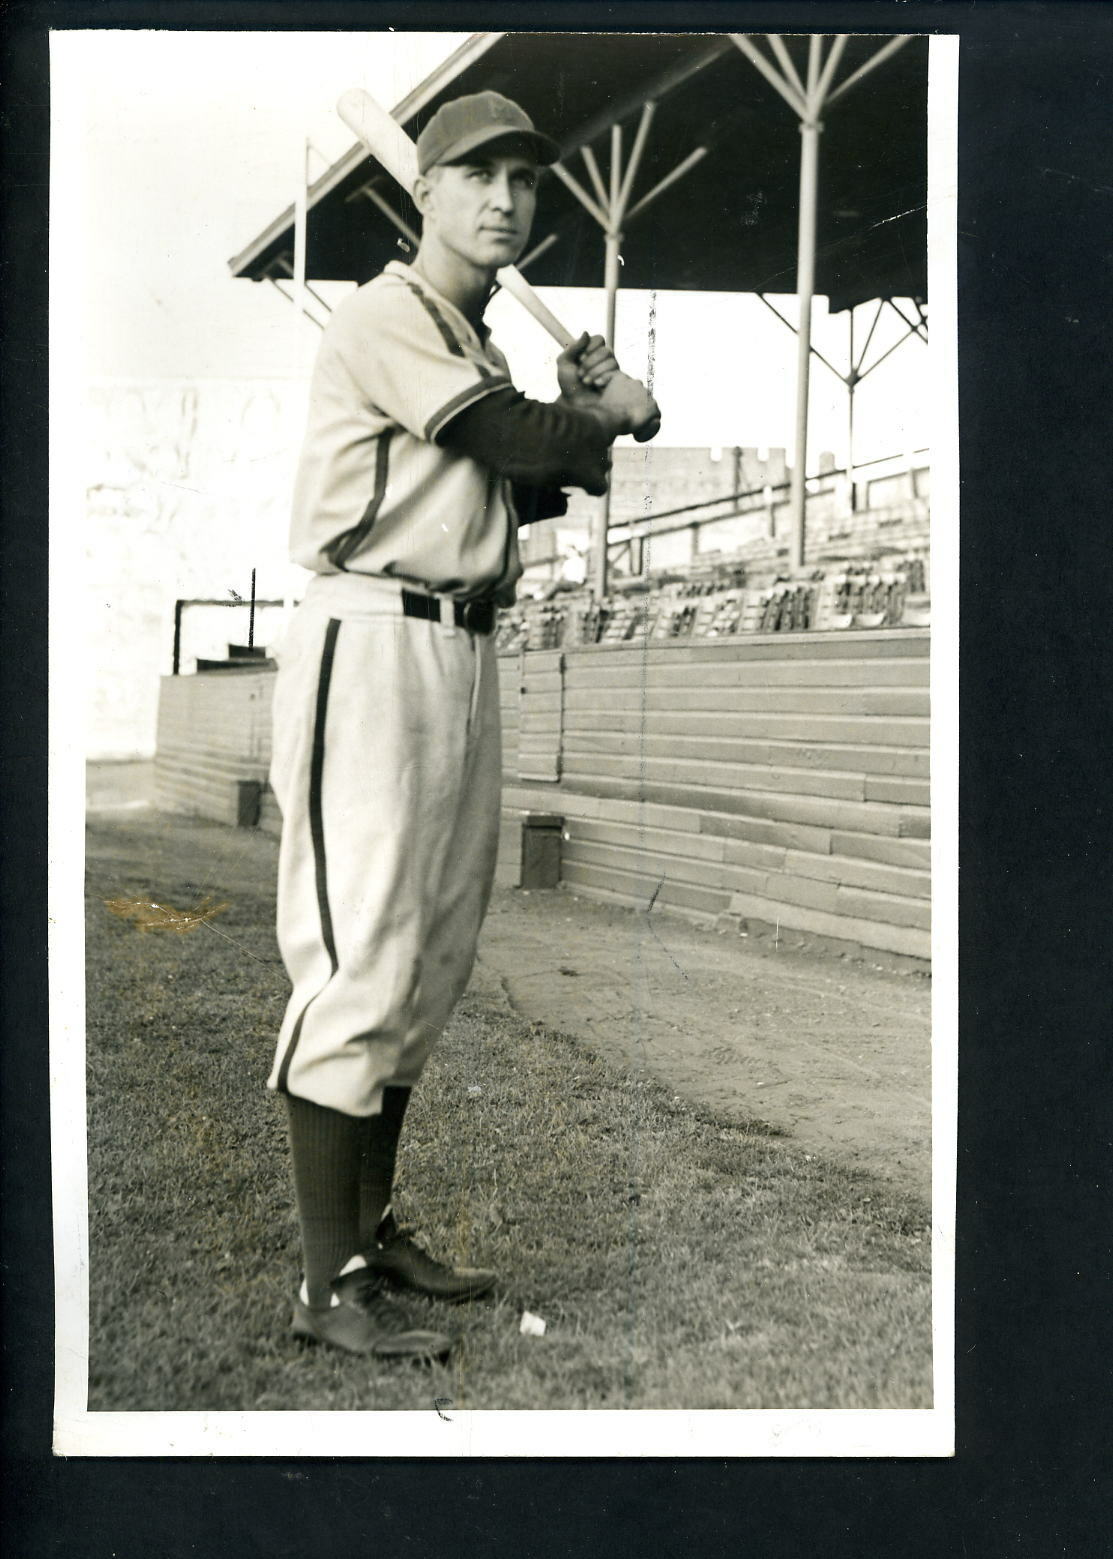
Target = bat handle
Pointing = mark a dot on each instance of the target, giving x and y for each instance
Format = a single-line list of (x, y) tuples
[(511, 280)]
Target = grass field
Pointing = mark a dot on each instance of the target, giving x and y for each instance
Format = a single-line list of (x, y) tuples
[(678, 1262)]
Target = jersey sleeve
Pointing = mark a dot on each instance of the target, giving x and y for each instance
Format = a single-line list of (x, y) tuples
[(407, 360), (543, 444)]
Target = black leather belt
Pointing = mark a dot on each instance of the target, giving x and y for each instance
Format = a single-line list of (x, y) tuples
[(475, 616)]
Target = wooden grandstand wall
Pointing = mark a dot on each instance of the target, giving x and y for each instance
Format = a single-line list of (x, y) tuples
[(780, 779), (775, 779)]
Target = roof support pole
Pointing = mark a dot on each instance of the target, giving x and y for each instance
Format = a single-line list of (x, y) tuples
[(593, 173), (810, 129), (599, 212), (784, 58), (808, 102), (301, 196), (369, 192), (537, 251), (610, 207), (851, 385), (599, 569), (289, 296), (670, 178), (630, 172), (869, 337), (908, 334), (787, 323), (872, 63), (614, 236), (778, 83), (310, 291), (612, 245), (854, 374), (919, 326)]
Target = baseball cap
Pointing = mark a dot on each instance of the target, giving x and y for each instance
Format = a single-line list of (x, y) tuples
[(461, 125)]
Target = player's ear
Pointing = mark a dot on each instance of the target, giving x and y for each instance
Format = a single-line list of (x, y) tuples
[(423, 192)]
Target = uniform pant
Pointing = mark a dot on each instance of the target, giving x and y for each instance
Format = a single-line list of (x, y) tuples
[(387, 769)]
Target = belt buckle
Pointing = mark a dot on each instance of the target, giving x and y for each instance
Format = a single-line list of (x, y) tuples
[(446, 614)]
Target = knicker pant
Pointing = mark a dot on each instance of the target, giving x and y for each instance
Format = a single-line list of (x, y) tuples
[(387, 769)]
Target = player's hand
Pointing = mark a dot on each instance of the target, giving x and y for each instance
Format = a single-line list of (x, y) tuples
[(598, 364), (649, 429), (631, 404), (585, 367)]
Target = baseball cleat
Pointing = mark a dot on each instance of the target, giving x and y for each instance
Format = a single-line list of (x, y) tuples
[(398, 1258), (366, 1321)]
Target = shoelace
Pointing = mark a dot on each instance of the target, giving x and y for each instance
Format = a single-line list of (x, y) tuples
[(383, 1311), (403, 1235), (367, 1287)]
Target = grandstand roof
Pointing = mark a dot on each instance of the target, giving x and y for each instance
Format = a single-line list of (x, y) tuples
[(729, 224)]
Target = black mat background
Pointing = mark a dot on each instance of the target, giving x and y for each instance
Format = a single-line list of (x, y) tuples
[(1032, 1473)]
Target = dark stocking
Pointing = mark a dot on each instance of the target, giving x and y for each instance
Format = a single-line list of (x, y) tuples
[(380, 1151), (326, 1147)]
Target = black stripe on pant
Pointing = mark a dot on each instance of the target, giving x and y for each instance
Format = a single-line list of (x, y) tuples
[(317, 832)]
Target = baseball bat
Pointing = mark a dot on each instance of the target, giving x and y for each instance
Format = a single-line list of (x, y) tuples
[(389, 144)]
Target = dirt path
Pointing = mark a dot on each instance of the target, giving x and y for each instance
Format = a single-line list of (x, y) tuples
[(834, 1051)]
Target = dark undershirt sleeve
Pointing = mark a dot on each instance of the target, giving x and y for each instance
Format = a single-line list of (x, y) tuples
[(532, 504), (535, 443)]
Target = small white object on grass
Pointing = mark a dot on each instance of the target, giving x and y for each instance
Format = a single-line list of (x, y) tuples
[(531, 1325)]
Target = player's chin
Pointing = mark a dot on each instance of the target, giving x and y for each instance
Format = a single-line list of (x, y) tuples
[(504, 248)]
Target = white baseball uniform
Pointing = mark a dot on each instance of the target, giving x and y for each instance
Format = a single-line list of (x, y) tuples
[(387, 755)]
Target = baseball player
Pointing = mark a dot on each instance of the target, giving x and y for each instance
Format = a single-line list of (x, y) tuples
[(420, 461)]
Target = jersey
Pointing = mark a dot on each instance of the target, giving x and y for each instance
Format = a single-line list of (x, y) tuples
[(376, 492)]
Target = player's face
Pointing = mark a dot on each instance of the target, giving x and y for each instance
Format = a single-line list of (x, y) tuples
[(482, 210)]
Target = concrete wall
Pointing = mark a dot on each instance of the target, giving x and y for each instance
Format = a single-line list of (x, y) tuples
[(775, 779), (671, 478), (893, 501), (214, 732), (187, 490)]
